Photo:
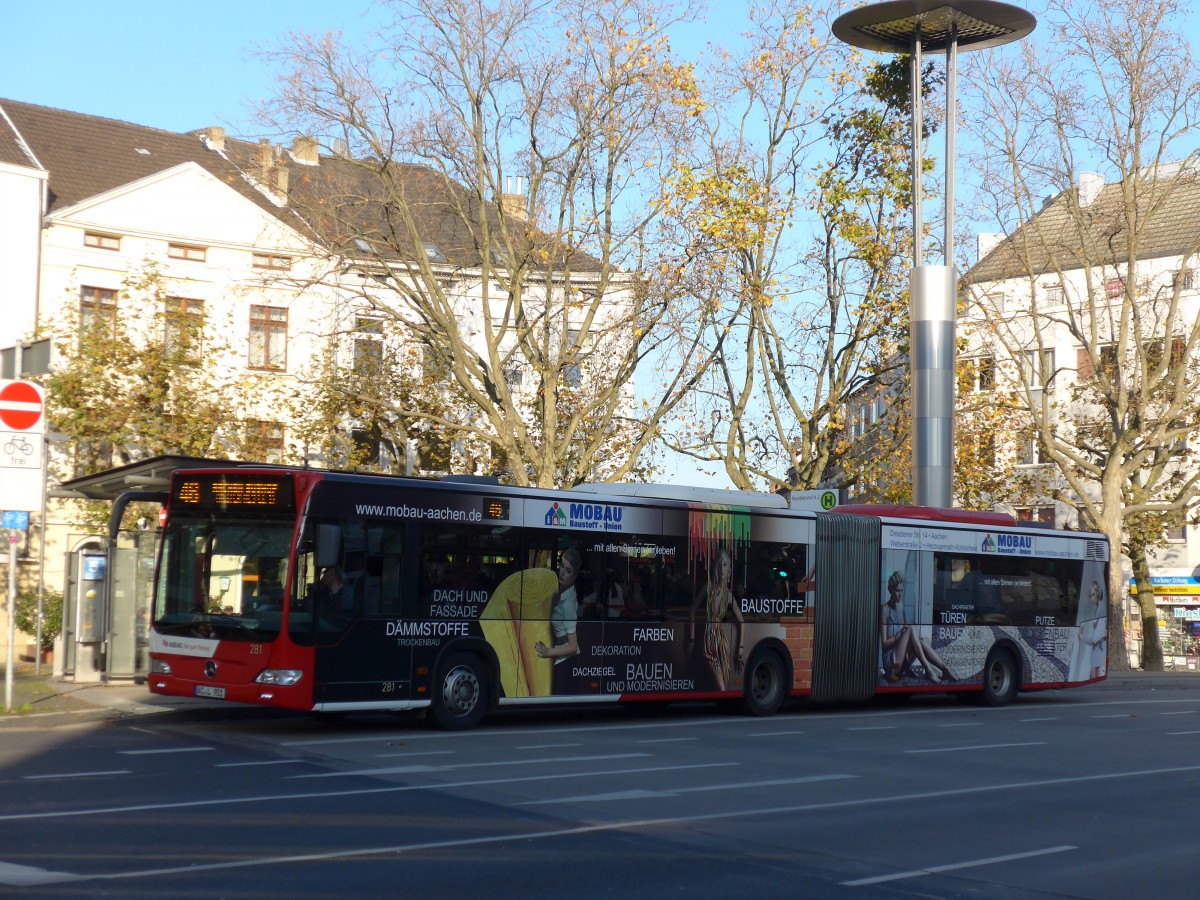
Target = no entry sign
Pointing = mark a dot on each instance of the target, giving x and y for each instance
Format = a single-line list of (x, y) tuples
[(21, 406)]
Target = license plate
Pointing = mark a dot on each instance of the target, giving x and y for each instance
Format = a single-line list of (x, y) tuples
[(204, 690)]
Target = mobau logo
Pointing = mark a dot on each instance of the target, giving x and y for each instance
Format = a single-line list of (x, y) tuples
[(586, 516), (1021, 544)]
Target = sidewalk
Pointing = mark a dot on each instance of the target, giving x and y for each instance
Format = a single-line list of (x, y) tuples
[(49, 702)]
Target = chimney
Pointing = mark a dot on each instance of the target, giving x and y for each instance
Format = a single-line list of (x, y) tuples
[(264, 155), (306, 151), (514, 199), (1090, 186), (214, 137), (985, 244)]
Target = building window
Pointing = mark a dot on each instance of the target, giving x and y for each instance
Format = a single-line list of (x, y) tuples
[(368, 346), (264, 441), (101, 241), (434, 366), (1176, 534), (96, 306), (1052, 294), (1185, 279), (1037, 368), (978, 375), (184, 251), (184, 319), (268, 337), (514, 375), (1031, 451), (272, 261), (1042, 514)]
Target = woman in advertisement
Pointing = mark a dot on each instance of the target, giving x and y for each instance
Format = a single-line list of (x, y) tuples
[(902, 646), (564, 614), (1093, 631), (718, 602)]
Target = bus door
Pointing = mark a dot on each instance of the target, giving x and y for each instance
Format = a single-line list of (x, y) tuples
[(351, 602), (846, 624)]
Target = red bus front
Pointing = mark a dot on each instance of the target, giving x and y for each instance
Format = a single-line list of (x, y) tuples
[(229, 574)]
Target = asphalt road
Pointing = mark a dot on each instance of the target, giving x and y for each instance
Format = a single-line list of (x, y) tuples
[(1088, 793)]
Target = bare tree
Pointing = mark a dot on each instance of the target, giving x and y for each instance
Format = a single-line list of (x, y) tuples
[(799, 230), (1089, 298), (491, 188)]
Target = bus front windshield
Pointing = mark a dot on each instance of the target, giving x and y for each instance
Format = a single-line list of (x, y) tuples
[(222, 578)]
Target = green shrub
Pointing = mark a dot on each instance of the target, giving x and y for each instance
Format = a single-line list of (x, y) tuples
[(26, 619)]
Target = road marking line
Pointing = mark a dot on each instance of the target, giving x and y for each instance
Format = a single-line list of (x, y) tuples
[(351, 792), (269, 762), (547, 746), (874, 728), (1176, 733), (772, 733), (27, 876), (168, 750), (978, 747), (951, 867), (959, 724), (411, 755), (666, 740), (1044, 719), (421, 769), (1179, 712), (77, 774), (1115, 716), (647, 794)]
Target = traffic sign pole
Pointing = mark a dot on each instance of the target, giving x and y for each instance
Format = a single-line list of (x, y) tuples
[(12, 622)]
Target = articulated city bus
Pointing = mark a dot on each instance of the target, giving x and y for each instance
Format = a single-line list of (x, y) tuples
[(336, 592)]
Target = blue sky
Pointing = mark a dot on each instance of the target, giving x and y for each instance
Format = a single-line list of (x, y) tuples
[(163, 63)]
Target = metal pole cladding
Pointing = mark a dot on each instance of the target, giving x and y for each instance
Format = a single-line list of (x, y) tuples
[(951, 137), (917, 126)]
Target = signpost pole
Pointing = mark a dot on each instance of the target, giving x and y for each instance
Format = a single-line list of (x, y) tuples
[(12, 622), (22, 486)]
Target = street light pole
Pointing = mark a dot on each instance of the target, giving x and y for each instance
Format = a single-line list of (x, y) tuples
[(908, 26)]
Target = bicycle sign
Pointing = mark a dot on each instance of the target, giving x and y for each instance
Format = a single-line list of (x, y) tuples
[(18, 443), (20, 451), (22, 463)]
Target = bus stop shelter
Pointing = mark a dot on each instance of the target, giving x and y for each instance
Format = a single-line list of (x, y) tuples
[(109, 579)]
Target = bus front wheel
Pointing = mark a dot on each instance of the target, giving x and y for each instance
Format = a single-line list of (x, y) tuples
[(460, 697), (999, 678), (765, 690)]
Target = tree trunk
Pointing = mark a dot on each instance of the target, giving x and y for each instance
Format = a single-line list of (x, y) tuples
[(1118, 652), (1152, 655)]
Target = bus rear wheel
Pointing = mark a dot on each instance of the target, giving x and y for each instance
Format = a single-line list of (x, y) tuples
[(764, 690), (460, 696), (999, 678)]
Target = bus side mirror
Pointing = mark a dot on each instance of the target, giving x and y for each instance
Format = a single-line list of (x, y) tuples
[(329, 546)]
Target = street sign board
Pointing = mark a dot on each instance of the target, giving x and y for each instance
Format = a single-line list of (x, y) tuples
[(16, 520), (818, 499), (21, 407), (22, 462)]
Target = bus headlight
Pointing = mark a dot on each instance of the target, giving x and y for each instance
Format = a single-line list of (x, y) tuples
[(160, 667), (279, 676)]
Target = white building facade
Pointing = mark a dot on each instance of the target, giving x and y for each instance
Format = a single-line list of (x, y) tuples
[(89, 206), (1046, 315)]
